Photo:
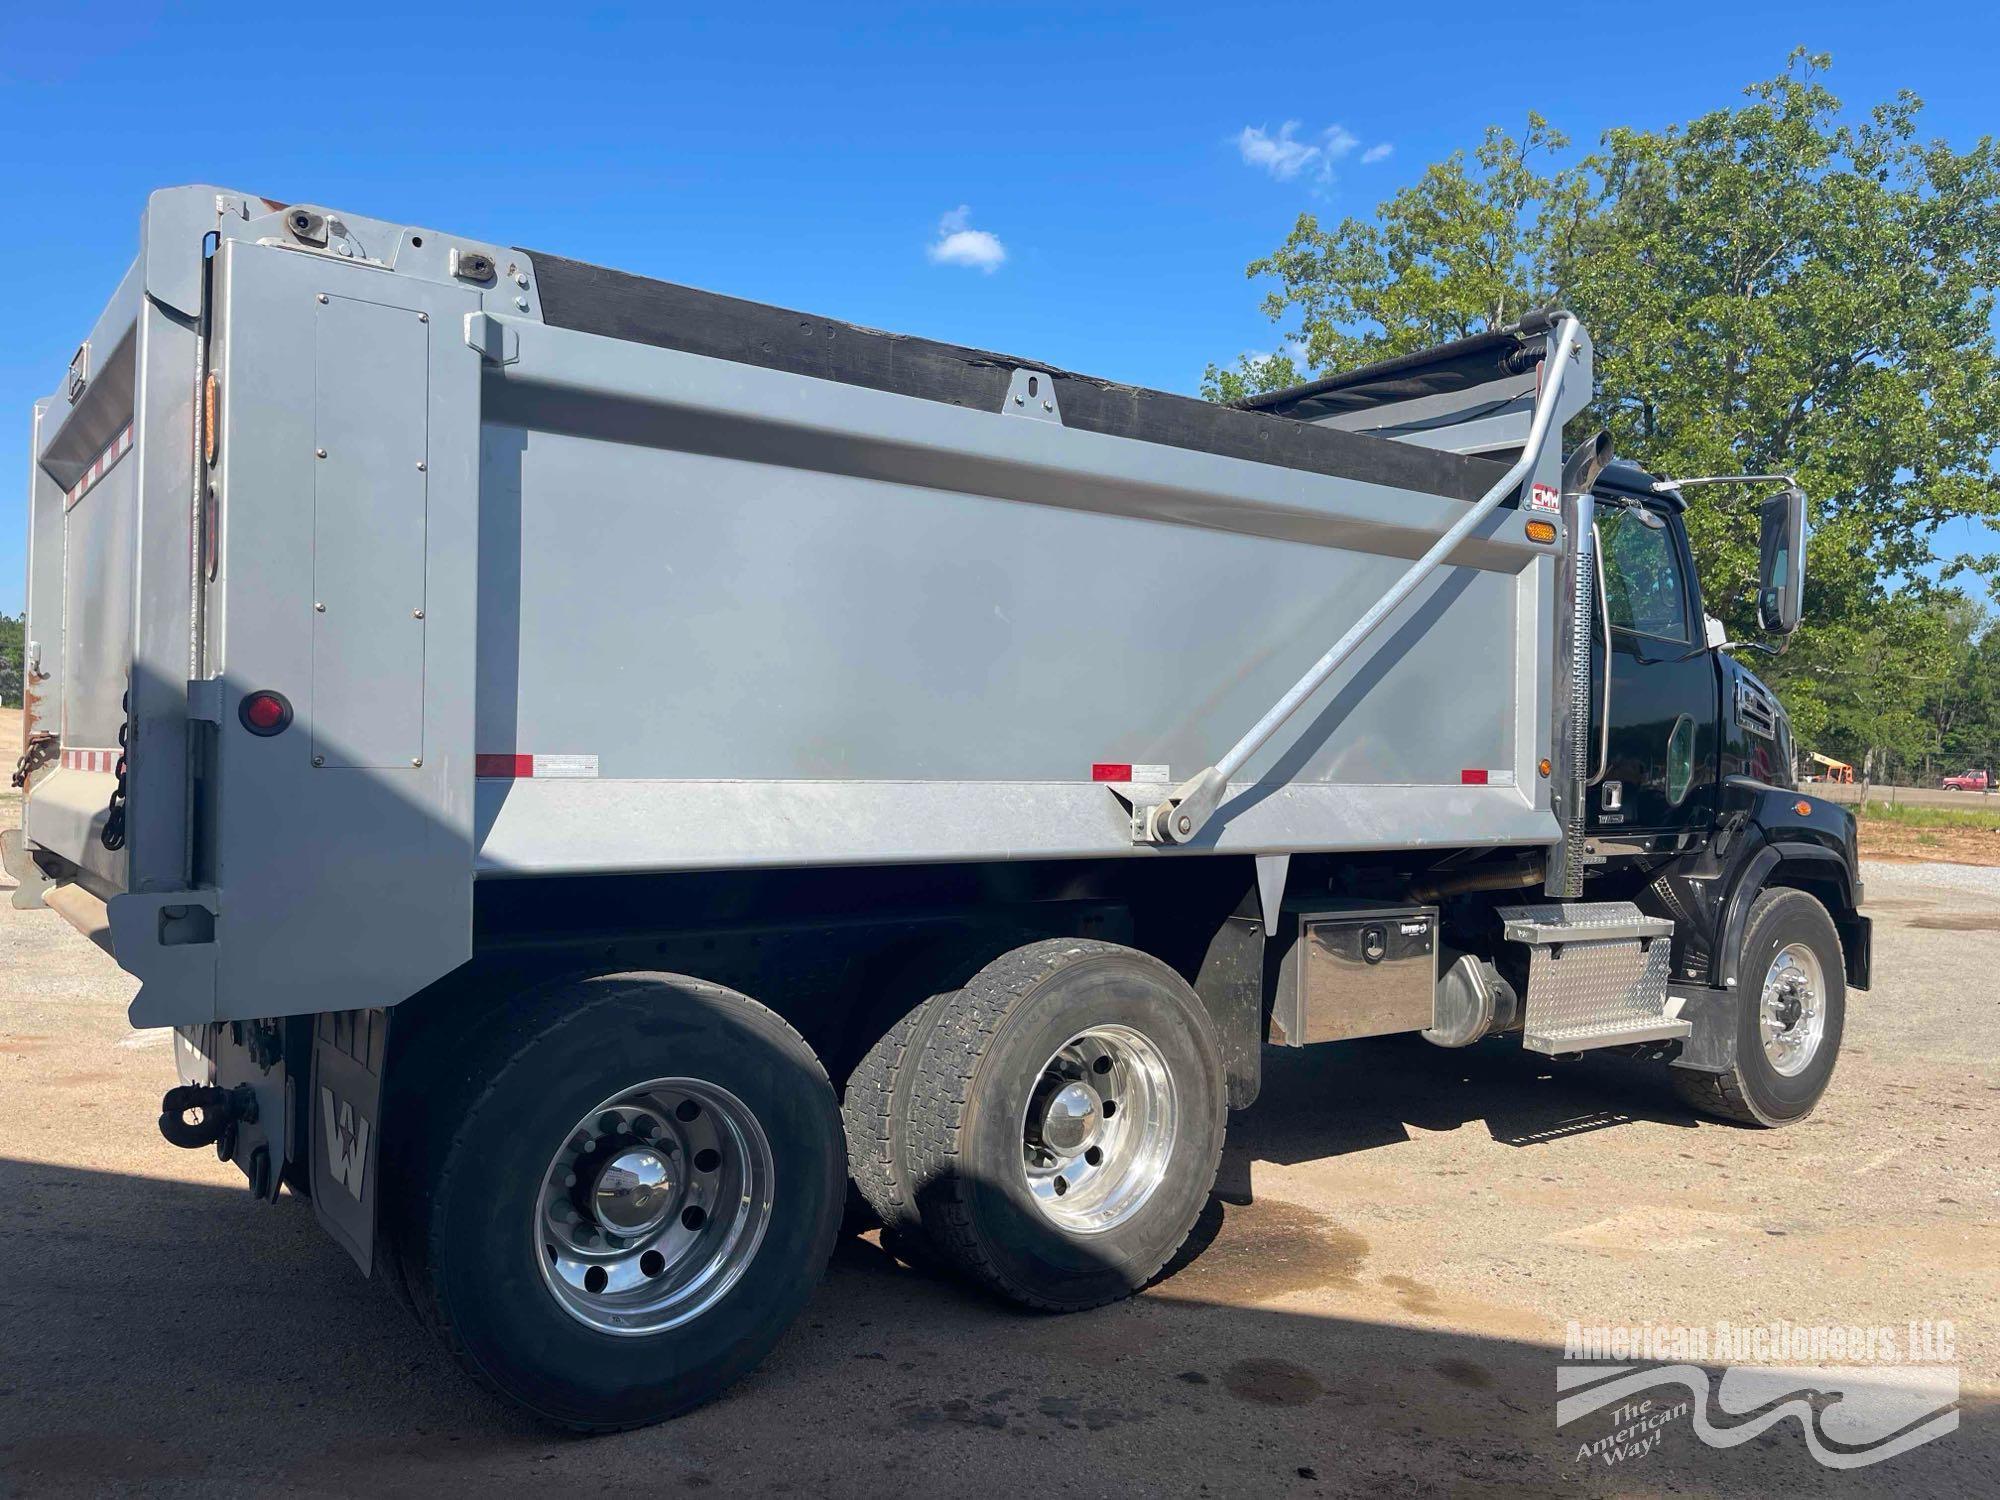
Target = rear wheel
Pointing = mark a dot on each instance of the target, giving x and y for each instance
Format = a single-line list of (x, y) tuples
[(1791, 1011), (875, 1108), (633, 1202), (1066, 1123)]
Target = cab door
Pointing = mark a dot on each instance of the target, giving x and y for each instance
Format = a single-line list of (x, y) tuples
[(1657, 749)]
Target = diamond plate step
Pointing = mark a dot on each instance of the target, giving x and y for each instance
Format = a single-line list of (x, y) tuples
[(1597, 975)]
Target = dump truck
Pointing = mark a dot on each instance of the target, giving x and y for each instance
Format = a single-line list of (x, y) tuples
[(607, 780)]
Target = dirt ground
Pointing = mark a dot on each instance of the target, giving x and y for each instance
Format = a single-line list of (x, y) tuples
[(1881, 839), (1375, 1302)]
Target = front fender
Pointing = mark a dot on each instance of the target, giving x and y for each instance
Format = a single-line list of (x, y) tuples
[(1794, 839)]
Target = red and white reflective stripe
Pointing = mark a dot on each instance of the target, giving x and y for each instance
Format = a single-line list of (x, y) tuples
[(114, 450), (1124, 770), (1484, 776), (546, 767), (90, 760)]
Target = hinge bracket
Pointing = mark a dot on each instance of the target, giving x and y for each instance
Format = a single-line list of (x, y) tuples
[(1032, 393), (491, 339)]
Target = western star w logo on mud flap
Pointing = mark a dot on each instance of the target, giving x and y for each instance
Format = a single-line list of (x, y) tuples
[(346, 1142), (1851, 1415)]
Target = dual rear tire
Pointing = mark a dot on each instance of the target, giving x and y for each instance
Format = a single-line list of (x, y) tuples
[(611, 1198), (1051, 1130)]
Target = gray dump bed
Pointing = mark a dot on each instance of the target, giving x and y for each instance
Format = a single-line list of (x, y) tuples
[(567, 571)]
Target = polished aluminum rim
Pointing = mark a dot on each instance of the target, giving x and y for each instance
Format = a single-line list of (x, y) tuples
[(653, 1206), (1099, 1129), (1793, 1009)]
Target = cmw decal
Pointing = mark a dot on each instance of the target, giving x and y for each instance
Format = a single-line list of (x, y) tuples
[(346, 1141), (1851, 1415)]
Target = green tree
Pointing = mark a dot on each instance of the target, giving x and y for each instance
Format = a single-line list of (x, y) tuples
[(1774, 286), (12, 630)]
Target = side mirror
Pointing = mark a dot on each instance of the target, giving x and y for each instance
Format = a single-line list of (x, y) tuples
[(1781, 570)]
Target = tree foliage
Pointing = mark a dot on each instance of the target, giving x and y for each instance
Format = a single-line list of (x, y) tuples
[(11, 630), (1779, 285)]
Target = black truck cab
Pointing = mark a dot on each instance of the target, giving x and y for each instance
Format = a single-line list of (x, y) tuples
[(1694, 808)]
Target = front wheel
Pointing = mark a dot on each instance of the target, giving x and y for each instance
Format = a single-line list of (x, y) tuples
[(639, 1192), (1791, 1011)]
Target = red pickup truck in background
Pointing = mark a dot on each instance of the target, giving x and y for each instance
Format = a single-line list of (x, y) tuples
[(1967, 781)]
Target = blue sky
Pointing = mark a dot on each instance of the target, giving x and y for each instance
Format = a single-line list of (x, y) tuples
[(1071, 182)]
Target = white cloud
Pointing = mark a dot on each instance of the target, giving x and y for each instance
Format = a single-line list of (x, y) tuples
[(959, 244), (1285, 156), (1373, 154)]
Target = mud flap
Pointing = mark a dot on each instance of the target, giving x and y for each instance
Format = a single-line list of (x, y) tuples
[(1711, 1046), (32, 882), (348, 1048)]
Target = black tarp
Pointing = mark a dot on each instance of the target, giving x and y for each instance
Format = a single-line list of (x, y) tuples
[(617, 304)]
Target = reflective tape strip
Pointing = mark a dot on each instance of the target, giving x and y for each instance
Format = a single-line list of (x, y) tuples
[(512, 767), (114, 450), (89, 760)]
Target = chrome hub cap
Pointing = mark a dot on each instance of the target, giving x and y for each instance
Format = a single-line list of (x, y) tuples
[(1792, 1010), (1099, 1129), (633, 1192), (1071, 1118), (654, 1206)]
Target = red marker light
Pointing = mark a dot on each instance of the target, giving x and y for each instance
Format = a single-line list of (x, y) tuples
[(265, 712)]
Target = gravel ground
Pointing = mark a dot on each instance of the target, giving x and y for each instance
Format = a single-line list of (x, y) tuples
[(1376, 1305), (1981, 880)]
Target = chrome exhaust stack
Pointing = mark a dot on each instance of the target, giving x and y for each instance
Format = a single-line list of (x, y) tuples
[(1576, 613)]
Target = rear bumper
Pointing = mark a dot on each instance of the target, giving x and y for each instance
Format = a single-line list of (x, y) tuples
[(166, 940)]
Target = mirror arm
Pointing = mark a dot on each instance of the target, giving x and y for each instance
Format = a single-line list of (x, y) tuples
[(1732, 646)]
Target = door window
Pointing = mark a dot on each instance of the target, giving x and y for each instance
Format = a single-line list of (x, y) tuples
[(1680, 759), (1642, 573)]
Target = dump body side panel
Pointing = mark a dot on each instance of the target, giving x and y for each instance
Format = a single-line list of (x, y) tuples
[(118, 449), (790, 620)]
